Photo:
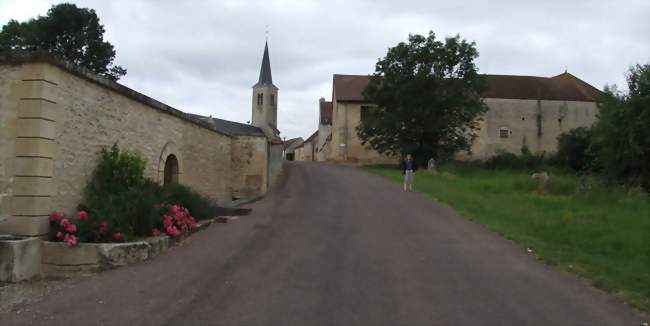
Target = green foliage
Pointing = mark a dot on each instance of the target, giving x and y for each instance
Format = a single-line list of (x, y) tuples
[(201, 207), (427, 97), (117, 171), (72, 33), (577, 150), (508, 161), (623, 132), (602, 234)]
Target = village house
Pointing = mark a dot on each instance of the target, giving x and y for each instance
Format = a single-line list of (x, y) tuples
[(522, 110)]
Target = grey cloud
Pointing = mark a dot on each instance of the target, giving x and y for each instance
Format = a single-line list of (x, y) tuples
[(204, 56)]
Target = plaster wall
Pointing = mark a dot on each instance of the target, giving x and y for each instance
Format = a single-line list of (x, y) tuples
[(9, 75), (249, 164), (324, 145)]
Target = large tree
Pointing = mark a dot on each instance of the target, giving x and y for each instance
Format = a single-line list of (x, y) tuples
[(67, 31), (427, 97), (623, 130)]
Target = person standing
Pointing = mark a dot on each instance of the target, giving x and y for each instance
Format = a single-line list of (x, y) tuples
[(408, 169)]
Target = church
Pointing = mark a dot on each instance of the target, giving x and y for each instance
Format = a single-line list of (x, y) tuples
[(55, 117), (522, 110)]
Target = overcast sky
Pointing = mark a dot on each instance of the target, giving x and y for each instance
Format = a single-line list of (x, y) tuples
[(204, 56)]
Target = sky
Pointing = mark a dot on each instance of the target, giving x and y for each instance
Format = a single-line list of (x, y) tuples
[(204, 56)]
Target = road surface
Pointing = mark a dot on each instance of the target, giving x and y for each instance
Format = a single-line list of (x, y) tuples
[(333, 245)]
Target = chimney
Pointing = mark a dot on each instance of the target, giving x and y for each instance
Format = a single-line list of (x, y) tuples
[(322, 99)]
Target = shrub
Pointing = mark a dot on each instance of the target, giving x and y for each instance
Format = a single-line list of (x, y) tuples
[(504, 160), (200, 206), (576, 151)]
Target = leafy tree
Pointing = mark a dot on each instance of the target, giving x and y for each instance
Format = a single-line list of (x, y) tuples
[(623, 130), (427, 97), (577, 150), (67, 31)]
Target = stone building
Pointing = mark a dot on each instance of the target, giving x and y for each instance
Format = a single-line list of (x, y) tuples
[(522, 110), (305, 152), (55, 118), (290, 147)]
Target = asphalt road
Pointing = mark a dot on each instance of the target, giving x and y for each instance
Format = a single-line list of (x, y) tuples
[(333, 245)]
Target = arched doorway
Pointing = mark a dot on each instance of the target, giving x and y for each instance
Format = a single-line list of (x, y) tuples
[(171, 170)]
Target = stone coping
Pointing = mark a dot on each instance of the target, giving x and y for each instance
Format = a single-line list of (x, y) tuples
[(44, 57), (59, 260)]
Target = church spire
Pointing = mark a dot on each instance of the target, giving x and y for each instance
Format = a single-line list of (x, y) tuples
[(265, 70)]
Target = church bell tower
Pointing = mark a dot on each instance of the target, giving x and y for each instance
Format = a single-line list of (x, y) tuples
[(265, 99)]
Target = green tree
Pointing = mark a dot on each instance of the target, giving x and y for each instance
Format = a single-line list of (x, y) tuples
[(427, 97), (577, 150), (623, 130), (72, 33)]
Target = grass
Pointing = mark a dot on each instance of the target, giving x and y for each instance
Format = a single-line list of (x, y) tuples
[(602, 234)]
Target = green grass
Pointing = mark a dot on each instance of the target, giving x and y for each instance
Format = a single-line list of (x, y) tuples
[(603, 234)]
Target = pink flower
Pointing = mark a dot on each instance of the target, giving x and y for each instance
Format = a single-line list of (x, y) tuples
[(155, 232), (71, 240), (82, 215), (168, 221), (71, 228), (55, 217), (59, 235), (175, 208), (173, 231), (117, 236), (65, 223)]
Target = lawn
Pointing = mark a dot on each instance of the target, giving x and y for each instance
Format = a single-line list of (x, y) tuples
[(602, 234)]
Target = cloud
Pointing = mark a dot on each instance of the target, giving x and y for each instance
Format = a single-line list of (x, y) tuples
[(204, 56)]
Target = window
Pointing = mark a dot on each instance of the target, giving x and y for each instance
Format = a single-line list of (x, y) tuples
[(272, 100), (504, 132), (260, 99)]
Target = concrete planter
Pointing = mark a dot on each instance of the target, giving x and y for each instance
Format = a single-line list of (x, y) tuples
[(19, 258), (59, 260)]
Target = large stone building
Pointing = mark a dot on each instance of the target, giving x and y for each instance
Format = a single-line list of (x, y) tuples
[(55, 118), (523, 110)]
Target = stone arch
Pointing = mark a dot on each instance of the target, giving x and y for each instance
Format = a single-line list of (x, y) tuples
[(170, 164)]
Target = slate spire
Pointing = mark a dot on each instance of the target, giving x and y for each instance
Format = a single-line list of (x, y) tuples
[(265, 70)]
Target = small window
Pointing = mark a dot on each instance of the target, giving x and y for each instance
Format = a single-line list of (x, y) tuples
[(260, 99), (272, 100), (504, 132)]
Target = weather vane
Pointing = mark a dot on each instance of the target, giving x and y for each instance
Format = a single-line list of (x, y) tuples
[(267, 32)]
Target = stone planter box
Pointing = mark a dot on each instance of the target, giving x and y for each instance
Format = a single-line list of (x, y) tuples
[(59, 260), (19, 258)]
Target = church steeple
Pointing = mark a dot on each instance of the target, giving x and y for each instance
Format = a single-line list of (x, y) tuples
[(265, 99), (265, 70)]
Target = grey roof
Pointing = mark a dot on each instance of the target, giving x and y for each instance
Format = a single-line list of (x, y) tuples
[(265, 70), (231, 127)]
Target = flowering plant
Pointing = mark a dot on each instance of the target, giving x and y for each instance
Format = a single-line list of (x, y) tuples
[(176, 221), (82, 227)]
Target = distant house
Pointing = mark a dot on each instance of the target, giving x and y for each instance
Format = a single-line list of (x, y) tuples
[(305, 152), (523, 110), (290, 147)]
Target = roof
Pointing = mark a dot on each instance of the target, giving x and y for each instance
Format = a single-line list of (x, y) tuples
[(349, 88), (231, 127), (326, 113), (290, 142), (265, 69), (563, 87)]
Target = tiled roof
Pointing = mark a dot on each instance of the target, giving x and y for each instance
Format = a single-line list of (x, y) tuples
[(564, 87), (231, 127), (288, 143), (326, 113), (311, 138)]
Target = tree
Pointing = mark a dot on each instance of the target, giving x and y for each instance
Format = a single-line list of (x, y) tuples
[(623, 130), (577, 150), (427, 97), (67, 31)]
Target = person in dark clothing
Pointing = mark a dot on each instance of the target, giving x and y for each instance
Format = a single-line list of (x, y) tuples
[(408, 170)]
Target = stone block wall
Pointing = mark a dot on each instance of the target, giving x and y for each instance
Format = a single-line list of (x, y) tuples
[(249, 166), (55, 118), (275, 162)]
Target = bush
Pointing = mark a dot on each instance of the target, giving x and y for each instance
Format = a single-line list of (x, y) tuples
[(200, 206), (576, 151), (508, 161)]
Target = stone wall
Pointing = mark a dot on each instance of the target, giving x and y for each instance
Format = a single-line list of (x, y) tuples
[(322, 151), (519, 118), (8, 76), (249, 166), (346, 145), (275, 162)]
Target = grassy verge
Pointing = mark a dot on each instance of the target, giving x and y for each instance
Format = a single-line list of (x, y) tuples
[(603, 234)]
